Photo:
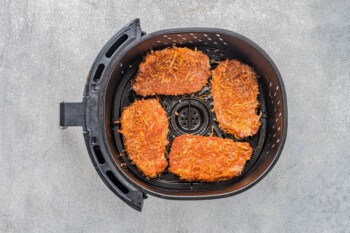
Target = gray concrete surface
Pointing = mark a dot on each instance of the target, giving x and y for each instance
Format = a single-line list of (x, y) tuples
[(47, 182)]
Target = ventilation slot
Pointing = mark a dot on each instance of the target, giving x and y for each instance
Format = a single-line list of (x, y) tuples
[(116, 45), (98, 73), (99, 155), (117, 183)]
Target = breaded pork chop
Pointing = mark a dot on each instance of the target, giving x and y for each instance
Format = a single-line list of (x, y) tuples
[(209, 159), (235, 90), (144, 125), (172, 71)]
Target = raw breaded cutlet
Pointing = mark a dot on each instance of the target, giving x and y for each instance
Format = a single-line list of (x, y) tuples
[(144, 125), (234, 87), (208, 159), (172, 71)]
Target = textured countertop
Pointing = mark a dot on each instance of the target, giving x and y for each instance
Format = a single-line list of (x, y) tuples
[(47, 182)]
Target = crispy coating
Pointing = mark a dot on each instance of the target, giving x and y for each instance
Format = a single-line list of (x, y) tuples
[(144, 126), (172, 71), (235, 90), (209, 159)]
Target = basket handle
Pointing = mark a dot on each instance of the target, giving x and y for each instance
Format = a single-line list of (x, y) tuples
[(71, 114)]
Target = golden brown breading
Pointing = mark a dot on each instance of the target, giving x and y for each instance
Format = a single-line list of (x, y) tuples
[(144, 126), (209, 159), (172, 71), (235, 90)]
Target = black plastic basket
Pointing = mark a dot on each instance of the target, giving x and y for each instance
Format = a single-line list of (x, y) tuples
[(108, 90)]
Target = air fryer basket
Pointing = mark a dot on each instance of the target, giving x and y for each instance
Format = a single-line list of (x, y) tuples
[(108, 90)]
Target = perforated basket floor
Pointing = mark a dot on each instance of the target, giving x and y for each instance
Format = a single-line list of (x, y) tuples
[(188, 114)]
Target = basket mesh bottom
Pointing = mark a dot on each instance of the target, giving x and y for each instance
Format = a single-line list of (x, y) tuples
[(187, 114)]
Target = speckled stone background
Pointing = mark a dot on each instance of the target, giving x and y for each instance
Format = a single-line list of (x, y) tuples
[(47, 182)]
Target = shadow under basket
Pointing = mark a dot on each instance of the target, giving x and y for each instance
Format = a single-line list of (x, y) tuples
[(108, 90)]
